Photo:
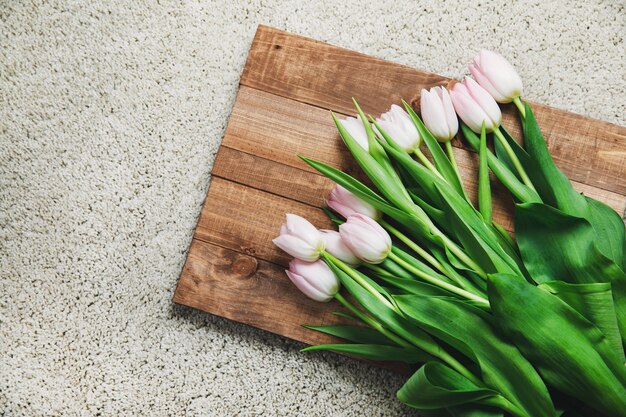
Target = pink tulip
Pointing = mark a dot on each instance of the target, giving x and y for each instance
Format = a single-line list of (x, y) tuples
[(300, 239), (365, 238), (438, 113), (335, 246), (496, 75), (474, 105), (356, 129), (398, 124), (315, 279), (347, 204)]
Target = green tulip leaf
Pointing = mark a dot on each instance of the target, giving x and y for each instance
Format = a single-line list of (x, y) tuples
[(476, 234), (355, 334), (609, 229), (554, 188), (376, 352), (570, 352), (595, 303), (388, 183), (557, 246), (363, 192), (395, 269), (436, 386), (470, 331)]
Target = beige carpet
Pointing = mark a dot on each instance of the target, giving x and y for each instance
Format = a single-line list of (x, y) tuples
[(110, 117)]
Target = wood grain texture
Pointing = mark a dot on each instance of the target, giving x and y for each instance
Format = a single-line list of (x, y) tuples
[(288, 86), (249, 290), (246, 220)]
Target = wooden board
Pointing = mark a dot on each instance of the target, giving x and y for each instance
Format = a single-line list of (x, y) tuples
[(288, 86)]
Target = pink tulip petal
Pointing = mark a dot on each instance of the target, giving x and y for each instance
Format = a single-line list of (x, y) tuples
[(448, 108), (356, 129), (484, 82), (336, 247), (317, 274), (433, 115), (467, 109), (307, 288), (485, 101), (296, 247), (303, 229)]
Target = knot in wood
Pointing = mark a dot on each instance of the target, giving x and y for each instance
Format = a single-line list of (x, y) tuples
[(244, 266)]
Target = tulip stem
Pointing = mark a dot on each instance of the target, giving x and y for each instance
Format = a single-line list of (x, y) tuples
[(482, 302), (514, 159), (355, 275), (520, 106), (434, 351), (371, 322), (417, 249), (458, 252), (452, 159), (420, 155)]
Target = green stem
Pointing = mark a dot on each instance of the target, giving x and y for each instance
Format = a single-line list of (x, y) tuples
[(435, 350), (375, 268), (458, 252), (441, 284), (416, 248), (520, 106), (514, 159), (371, 322), (451, 157), (420, 155), (354, 275), (484, 187)]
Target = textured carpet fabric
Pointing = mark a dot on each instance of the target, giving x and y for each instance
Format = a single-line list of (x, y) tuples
[(110, 117)]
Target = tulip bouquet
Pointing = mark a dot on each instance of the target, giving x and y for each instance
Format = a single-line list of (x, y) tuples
[(491, 325)]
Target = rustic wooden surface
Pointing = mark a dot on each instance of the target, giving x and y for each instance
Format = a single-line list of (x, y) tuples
[(287, 88)]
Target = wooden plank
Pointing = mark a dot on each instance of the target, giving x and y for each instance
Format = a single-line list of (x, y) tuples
[(279, 129), (589, 151), (252, 291), (263, 174), (246, 220), (317, 73)]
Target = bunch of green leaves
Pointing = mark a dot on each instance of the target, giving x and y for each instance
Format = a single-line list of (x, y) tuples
[(555, 312)]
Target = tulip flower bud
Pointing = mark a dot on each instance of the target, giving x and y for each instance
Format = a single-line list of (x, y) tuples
[(335, 246), (347, 204), (300, 239), (315, 279), (496, 75), (356, 129), (474, 105), (365, 238), (398, 124), (438, 113)]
